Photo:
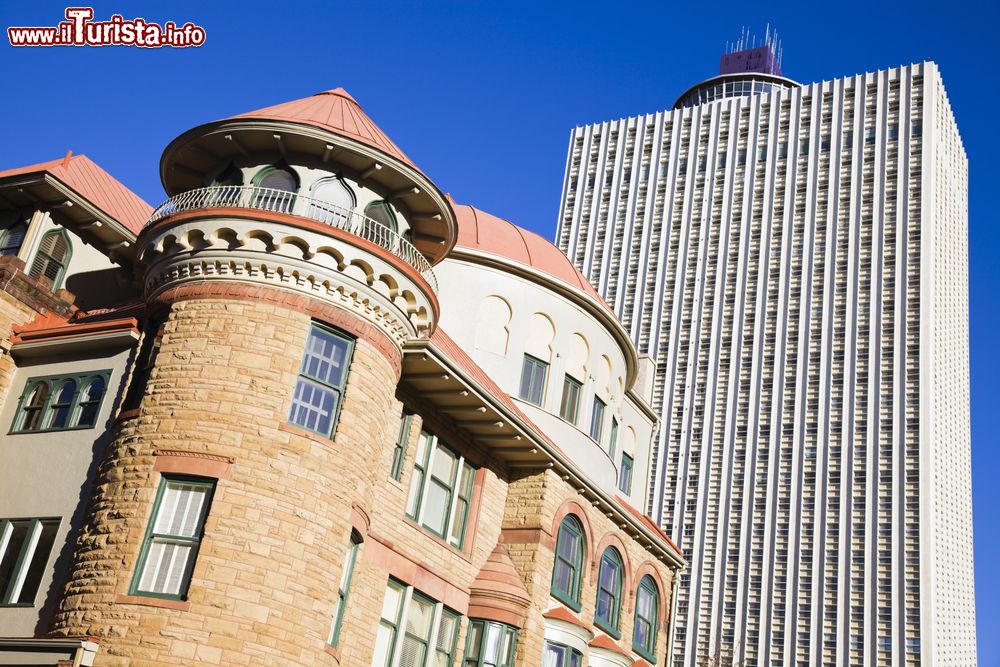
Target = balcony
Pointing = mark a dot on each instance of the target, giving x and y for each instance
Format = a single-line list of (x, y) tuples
[(281, 201)]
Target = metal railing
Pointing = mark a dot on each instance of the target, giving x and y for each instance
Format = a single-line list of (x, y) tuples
[(282, 201)]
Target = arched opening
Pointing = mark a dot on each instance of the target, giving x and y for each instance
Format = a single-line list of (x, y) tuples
[(52, 259)]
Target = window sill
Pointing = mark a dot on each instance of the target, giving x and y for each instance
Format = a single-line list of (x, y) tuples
[(52, 430), (440, 540), (125, 415), (642, 652), (332, 651), (147, 601), (307, 434), (569, 602)]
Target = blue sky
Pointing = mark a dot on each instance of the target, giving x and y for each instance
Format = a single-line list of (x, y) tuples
[(482, 96)]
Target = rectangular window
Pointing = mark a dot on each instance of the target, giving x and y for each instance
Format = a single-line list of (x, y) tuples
[(490, 644), (25, 545), (61, 402), (414, 630), (625, 475), (613, 441), (402, 438), (569, 407), (533, 374), (557, 655), (597, 419), (342, 592), (170, 547), (317, 398), (441, 490)]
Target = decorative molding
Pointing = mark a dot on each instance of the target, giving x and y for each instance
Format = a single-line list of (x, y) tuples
[(200, 464)]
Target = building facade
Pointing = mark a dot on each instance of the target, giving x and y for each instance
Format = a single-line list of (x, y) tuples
[(310, 410), (794, 259)]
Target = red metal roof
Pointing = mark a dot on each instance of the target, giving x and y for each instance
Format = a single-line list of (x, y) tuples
[(482, 231), (564, 614), (97, 186), (608, 644), (335, 111)]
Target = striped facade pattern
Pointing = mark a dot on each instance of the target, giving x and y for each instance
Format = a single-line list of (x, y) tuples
[(796, 265)]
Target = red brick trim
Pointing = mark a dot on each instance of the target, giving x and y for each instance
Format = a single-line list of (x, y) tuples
[(612, 540), (360, 520), (437, 585), (526, 536), (332, 651), (313, 226), (307, 434), (180, 605), (198, 464), (324, 312), (576, 509)]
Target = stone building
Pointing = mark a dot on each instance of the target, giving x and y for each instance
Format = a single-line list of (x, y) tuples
[(311, 410)]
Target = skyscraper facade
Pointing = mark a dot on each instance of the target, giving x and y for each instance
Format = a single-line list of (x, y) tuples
[(794, 259)]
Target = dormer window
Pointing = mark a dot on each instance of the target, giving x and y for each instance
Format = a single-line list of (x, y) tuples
[(277, 186), (333, 201), (52, 258)]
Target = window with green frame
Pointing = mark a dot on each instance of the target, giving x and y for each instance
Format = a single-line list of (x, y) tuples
[(414, 630), (597, 419), (533, 374), (173, 536), (25, 546), (60, 402), (607, 610), (558, 655), (52, 258), (441, 490), (380, 212), (568, 567), (569, 406), (12, 238), (646, 617), (402, 438), (490, 644), (625, 474), (276, 188), (322, 377), (350, 558)]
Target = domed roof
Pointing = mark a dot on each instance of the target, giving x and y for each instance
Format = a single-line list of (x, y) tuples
[(335, 111), (478, 230)]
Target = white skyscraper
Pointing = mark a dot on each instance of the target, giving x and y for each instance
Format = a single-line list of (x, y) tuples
[(794, 258)]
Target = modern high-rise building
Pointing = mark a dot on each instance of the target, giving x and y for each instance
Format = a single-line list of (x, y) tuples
[(794, 259)]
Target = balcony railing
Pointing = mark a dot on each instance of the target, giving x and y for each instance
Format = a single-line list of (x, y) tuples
[(281, 201)]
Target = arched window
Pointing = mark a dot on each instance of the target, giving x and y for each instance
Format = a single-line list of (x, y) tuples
[(12, 239), (52, 258), (228, 185), (277, 187), (333, 201), (90, 401), (62, 404), (646, 618), (609, 591), (33, 407), (380, 212), (568, 567)]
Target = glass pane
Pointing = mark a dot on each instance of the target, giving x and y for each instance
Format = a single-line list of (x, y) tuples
[(443, 465), (313, 406), (418, 618), (167, 567), (475, 640), (436, 506), (416, 484), (554, 655), (569, 543), (39, 561), (391, 602), (278, 179), (180, 509), (562, 577), (446, 637), (467, 480), (492, 653), (333, 191), (384, 639), (604, 606), (412, 653), (609, 575), (457, 533), (325, 357), (18, 531)]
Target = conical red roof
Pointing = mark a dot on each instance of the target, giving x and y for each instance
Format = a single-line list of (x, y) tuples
[(335, 111), (498, 594)]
